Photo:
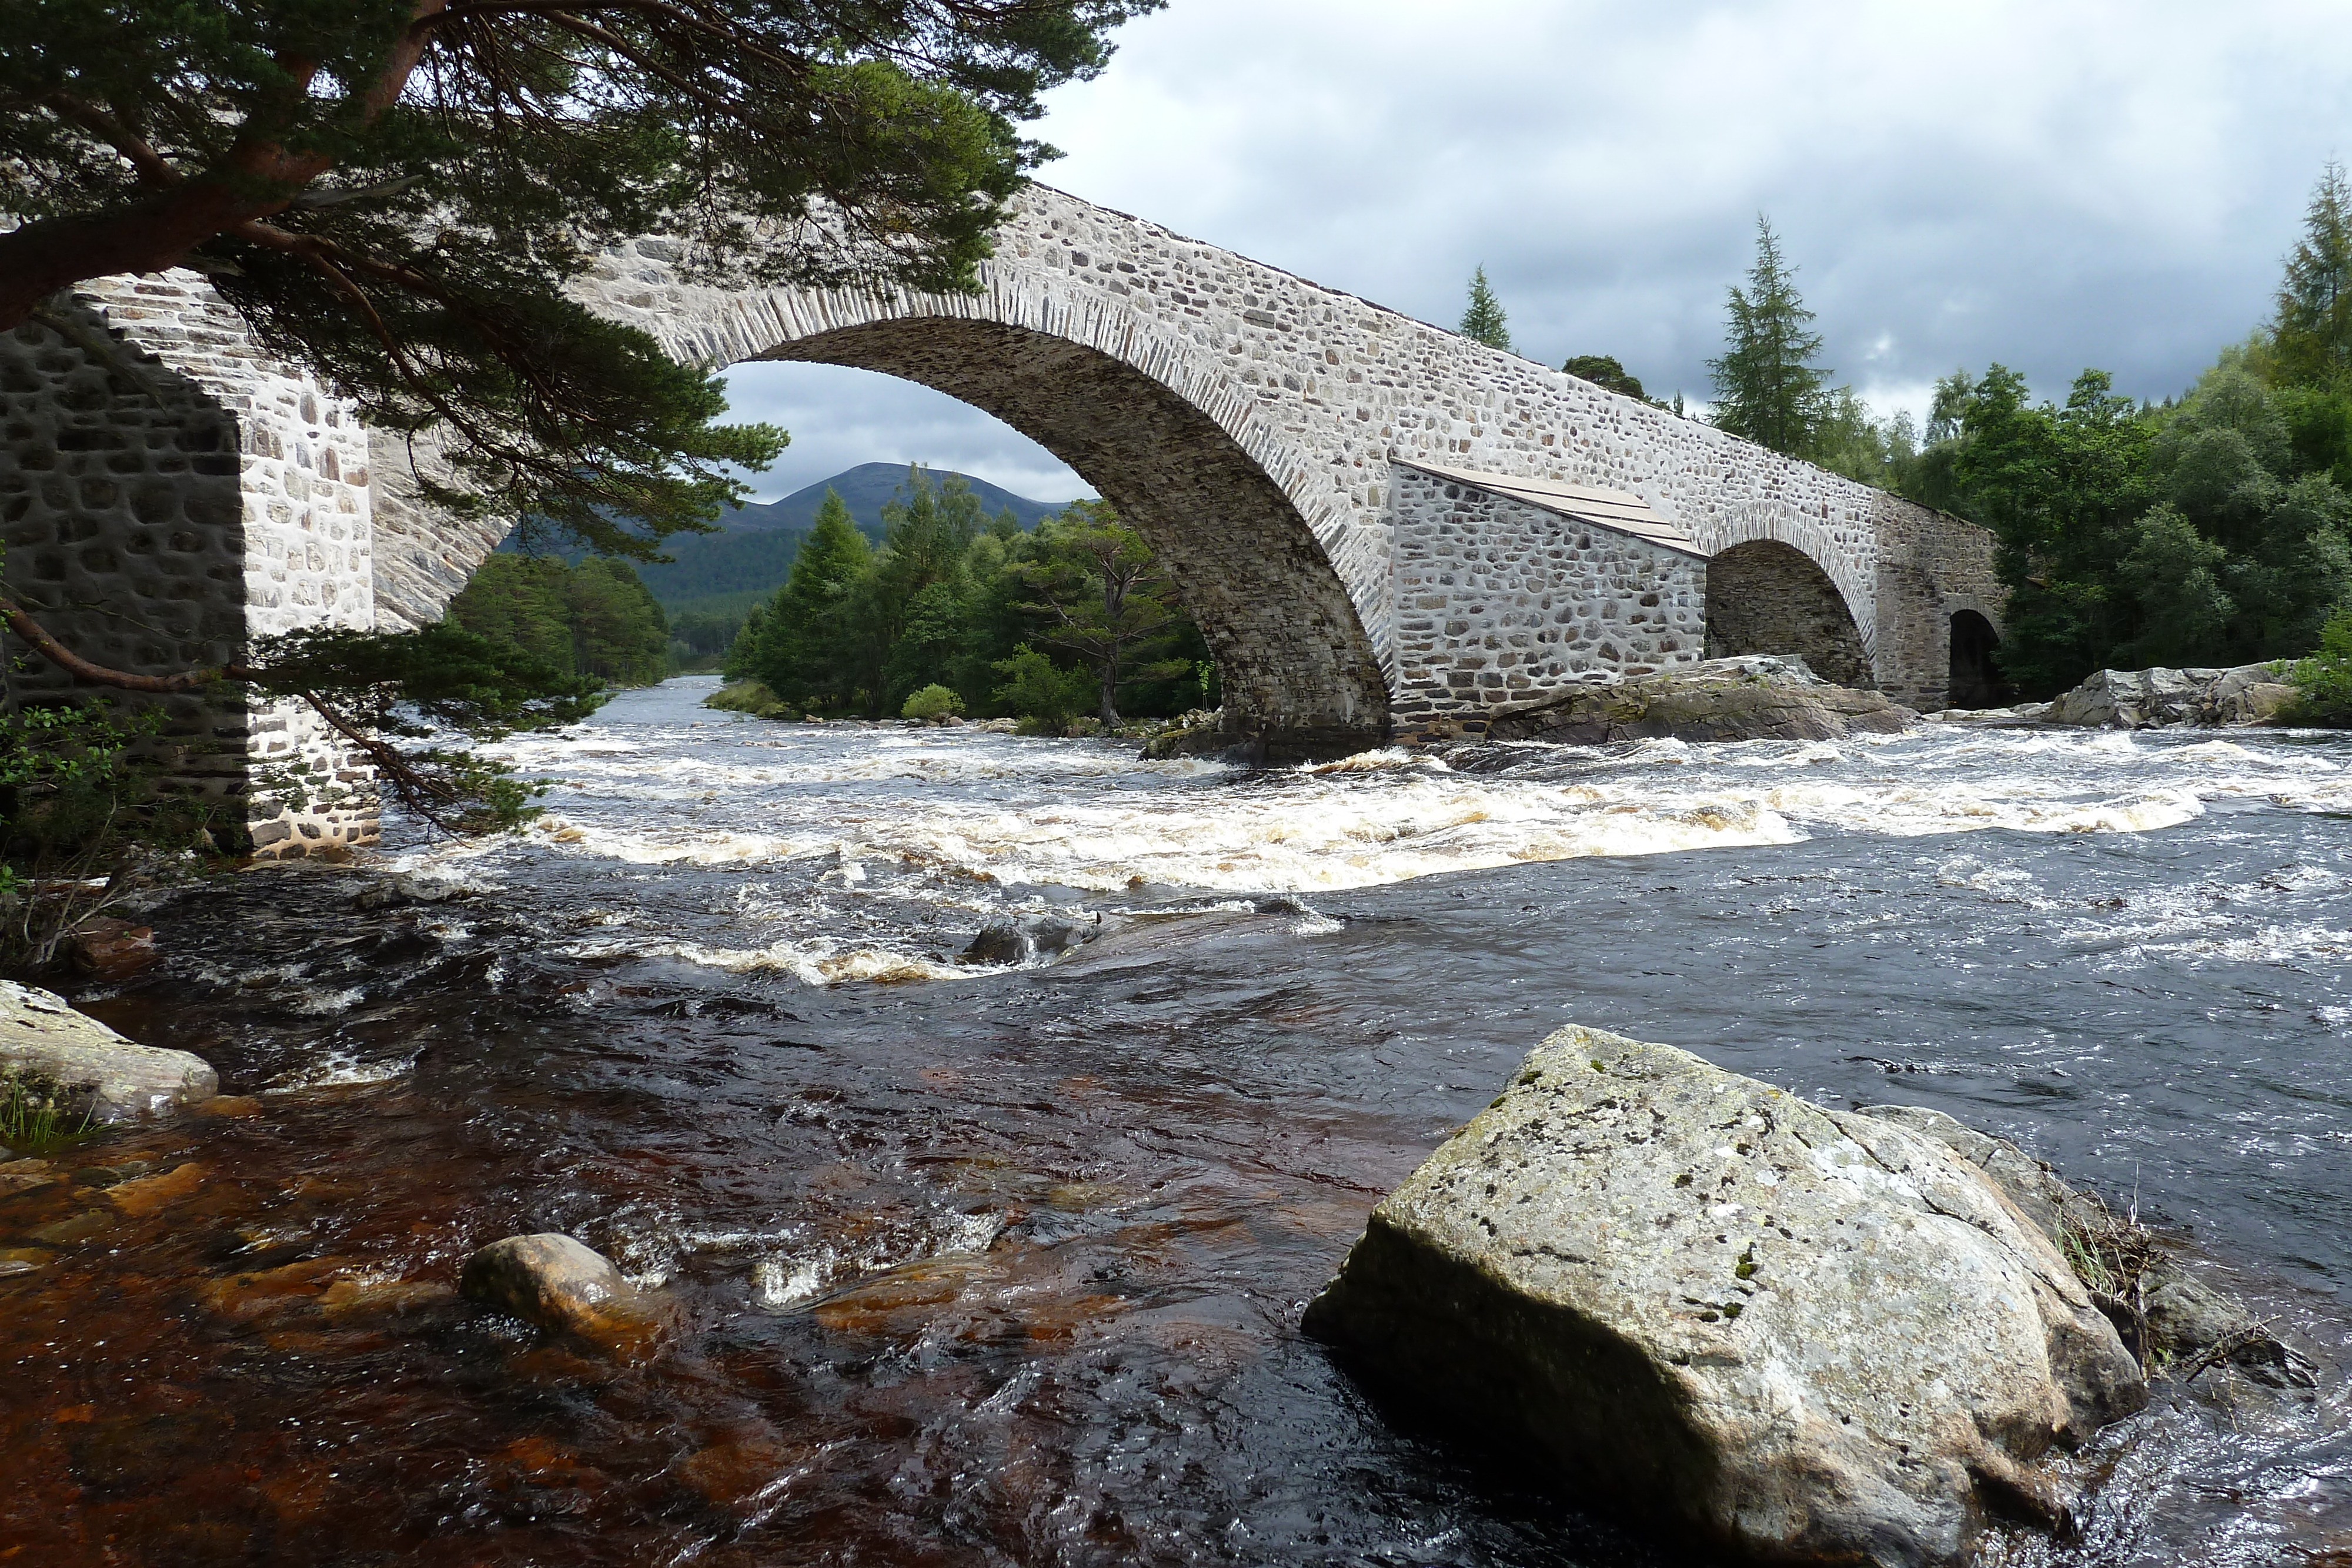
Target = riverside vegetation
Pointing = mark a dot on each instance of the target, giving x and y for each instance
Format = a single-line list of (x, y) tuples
[(960, 613), (2210, 529)]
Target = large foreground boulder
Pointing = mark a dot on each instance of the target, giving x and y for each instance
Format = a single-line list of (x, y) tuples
[(2149, 699), (1752, 697), (44, 1040), (1809, 1335)]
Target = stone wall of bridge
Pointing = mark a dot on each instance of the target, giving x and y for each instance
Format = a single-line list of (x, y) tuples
[(1498, 601), (1305, 395), (167, 495), (1256, 427)]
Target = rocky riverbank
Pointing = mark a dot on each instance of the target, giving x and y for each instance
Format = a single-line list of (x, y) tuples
[(2155, 699), (1750, 697)]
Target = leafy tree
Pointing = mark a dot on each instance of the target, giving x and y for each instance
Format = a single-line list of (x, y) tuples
[(1043, 695), (2063, 490), (1100, 592), (2311, 335), (1767, 389), (2323, 681), (931, 702), (1483, 321)]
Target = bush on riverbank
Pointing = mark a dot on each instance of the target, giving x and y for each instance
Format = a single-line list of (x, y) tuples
[(2323, 682), (750, 697), (932, 702)]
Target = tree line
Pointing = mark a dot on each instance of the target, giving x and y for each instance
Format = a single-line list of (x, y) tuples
[(959, 612), (2213, 528), (593, 618)]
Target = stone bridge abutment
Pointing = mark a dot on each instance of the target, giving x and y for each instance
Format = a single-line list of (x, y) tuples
[(1382, 527)]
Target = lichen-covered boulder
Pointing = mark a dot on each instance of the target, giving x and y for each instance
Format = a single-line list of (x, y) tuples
[(44, 1039), (1809, 1335), (1751, 697)]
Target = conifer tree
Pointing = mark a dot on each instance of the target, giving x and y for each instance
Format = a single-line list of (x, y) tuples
[(1484, 321), (1767, 387), (799, 645), (2311, 339)]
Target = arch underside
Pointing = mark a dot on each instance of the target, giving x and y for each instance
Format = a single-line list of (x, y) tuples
[(1766, 596), (1291, 650)]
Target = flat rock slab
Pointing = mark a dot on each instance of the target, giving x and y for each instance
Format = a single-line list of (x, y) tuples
[(1746, 698), (114, 1079), (1811, 1336)]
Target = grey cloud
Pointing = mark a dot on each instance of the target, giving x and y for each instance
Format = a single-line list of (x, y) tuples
[(2052, 183)]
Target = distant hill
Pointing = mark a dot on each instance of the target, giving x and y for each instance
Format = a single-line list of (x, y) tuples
[(724, 574), (864, 489)]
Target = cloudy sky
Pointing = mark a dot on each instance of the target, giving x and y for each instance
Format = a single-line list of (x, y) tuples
[(2051, 185)]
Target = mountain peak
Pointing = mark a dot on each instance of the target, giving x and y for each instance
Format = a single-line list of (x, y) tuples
[(864, 490)]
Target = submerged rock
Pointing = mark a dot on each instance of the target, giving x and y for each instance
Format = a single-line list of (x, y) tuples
[(1753, 697), (1811, 1335), (562, 1285), (98, 1072), (2146, 699), (1017, 941), (403, 888)]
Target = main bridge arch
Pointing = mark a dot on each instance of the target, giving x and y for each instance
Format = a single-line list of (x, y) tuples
[(1255, 426)]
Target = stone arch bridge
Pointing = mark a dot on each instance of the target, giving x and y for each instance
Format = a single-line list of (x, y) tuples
[(1382, 527)]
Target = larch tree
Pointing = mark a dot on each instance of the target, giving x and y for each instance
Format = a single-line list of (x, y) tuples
[(1483, 320), (2311, 336), (1768, 388)]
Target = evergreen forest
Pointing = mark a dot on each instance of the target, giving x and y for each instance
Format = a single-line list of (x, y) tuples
[(957, 612), (593, 618)]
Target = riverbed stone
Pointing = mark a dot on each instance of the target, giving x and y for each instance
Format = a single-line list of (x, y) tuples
[(1809, 1335), (564, 1285), (44, 1039), (1753, 697)]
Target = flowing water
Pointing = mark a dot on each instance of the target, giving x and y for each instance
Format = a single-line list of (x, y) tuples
[(1004, 1264)]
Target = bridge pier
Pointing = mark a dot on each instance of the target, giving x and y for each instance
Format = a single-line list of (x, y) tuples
[(169, 495)]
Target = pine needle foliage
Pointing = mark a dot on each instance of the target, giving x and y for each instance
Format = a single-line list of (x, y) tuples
[(2311, 336), (1483, 320), (397, 194), (1768, 388)]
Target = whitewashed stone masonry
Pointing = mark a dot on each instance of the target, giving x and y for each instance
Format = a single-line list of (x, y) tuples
[(1499, 599)]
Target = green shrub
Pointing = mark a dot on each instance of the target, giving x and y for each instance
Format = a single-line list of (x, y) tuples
[(752, 697), (2323, 681), (932, 702), (1043, 697)]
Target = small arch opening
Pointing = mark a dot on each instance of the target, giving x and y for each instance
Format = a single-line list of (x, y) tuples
[(1765, 597), (1975, 679)]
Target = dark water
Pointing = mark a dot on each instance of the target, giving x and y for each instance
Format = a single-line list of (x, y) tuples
[(1004, 1266)]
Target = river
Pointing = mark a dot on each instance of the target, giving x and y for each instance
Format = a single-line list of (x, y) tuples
[(1003, 1264)]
